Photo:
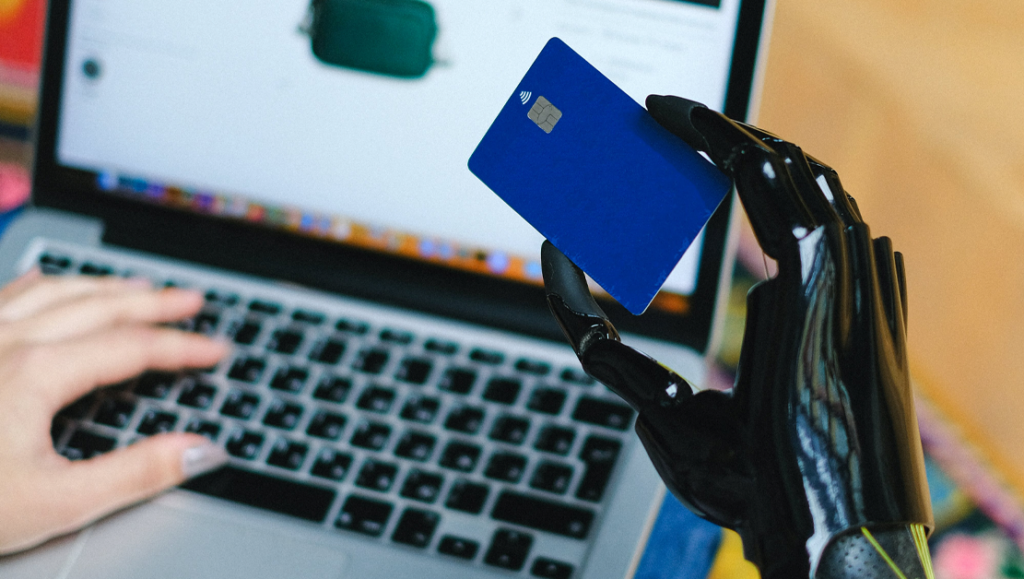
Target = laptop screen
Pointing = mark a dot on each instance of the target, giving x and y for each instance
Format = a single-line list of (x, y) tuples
[(353, 122)]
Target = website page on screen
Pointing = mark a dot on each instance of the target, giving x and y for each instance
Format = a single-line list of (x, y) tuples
[(232, 111)]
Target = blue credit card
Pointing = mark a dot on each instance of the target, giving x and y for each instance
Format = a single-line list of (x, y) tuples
[(590, 169)]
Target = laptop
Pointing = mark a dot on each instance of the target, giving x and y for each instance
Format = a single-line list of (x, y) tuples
[(399, 401)]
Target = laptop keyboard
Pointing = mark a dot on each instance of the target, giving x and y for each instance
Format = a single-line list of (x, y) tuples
[(462, 450)]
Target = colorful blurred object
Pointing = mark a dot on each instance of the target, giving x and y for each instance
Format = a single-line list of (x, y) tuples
[(21, 41), (14, 186)]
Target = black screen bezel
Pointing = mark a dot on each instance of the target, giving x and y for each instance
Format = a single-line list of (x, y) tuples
[(361, 273)]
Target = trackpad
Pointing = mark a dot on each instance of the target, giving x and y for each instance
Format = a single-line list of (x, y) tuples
[(157, 541)]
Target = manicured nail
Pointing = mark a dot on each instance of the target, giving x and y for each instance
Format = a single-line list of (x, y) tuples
[(203, 458)]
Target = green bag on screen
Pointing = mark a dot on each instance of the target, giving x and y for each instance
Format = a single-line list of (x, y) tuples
[(391, 37)]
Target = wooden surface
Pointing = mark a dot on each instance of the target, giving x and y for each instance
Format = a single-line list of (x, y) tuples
[(919, 105)]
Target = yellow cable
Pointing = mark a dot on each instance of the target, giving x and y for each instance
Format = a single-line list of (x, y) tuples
[(881, 551)]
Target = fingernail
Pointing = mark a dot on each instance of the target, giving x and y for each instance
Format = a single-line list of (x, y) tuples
[(203, 458)]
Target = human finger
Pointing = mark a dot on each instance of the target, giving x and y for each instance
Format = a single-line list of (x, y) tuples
[(777, 212), (81, 492), (42, 293), (64, 371), (20, 283), (97, 311)]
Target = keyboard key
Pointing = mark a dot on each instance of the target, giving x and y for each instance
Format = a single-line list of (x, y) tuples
[(287, 454), (225, 299), (283, 415), (114, 412), (156, 421), (502, 390), (458, 547), (490, 357), (396, 336), (600, 450), (555, 439), (240, 404), (420, 408), (414, 370), (376, 399), (441, 347), (416, 528), (552, 477), (57, 428), (53, 264), (155, 384), (328, 351), (506, 466), (196, 394), (467, 497), (247, 369), (352, 327), (290, 379), (95, 270), (205, 322), (371, 360), (577, 376), (603, 413), (535, 367), (543, 515), (85, 445), (550, 569), (510, 429), (246, 332), (416, 446), (285, 341), (244, 444), (457, 380), (465, 419), (422, 486), (371, 435), (328, 425), (207, 428), (331, 464), (377, 476), (264, 307), (308, 317), (365, 516), (508, 549), (600, 455), (80, 408), (460, 456), (547, 401), (300, 500), (333, 389)]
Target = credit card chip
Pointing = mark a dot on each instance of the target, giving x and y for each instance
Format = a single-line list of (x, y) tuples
[(545, 114)]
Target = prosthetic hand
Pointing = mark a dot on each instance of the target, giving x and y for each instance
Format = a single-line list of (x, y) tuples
[(814, 456)]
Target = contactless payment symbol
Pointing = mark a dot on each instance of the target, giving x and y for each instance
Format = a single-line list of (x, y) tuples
[(545, 114)]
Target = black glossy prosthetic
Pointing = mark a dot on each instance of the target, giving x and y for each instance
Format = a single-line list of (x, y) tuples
[(815, 452)]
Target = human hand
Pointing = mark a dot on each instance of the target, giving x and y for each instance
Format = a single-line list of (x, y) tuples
[(814, 457), (59, 339)]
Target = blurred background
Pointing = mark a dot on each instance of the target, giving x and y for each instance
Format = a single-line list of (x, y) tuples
[(917, 105)]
